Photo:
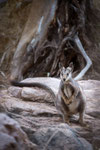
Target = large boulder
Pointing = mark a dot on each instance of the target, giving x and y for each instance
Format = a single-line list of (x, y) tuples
[(60, 137), (12, 137)]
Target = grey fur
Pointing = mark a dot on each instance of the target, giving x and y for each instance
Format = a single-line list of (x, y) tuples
[(70, 98)]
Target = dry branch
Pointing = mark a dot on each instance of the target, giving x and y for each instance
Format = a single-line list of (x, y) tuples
[(88, 60)]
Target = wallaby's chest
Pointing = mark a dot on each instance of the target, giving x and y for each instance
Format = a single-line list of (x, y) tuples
[(68, 90)]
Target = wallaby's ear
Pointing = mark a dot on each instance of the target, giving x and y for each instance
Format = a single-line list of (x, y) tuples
[(60, 65), (71, 66)]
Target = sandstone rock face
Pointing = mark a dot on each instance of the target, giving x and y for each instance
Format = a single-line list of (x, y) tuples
[(12, 136), (40, 119), (59, 137)]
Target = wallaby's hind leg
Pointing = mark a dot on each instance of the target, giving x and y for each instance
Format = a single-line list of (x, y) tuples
[(81, 117), (82, 112), (81, 120)]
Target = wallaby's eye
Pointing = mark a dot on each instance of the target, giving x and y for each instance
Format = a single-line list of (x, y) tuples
[(67, 74)]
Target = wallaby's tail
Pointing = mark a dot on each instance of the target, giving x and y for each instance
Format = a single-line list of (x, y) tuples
[(34, 84)]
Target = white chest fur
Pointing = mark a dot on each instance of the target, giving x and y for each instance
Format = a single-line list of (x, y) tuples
[(67, 92)]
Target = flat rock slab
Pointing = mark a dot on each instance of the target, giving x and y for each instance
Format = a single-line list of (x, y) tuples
[(36, 114)]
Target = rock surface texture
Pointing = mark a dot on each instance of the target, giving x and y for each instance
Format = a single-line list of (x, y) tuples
[(34, 110), (12, 136)]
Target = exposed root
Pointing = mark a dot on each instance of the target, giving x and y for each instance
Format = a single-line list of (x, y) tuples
[(52, 40), (88, 60)]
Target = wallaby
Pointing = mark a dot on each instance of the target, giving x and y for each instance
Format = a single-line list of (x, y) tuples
[(70, 98)]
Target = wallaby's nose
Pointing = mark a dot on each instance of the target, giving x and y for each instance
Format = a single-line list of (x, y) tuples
[(64, 79)]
